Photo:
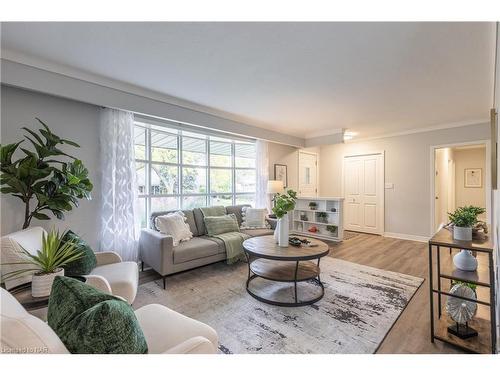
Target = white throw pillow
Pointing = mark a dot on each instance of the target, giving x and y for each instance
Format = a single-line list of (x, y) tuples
[(254, 218), (175, 225)]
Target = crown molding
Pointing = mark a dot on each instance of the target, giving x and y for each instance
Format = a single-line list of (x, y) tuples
[(428, 129), (323, 133)]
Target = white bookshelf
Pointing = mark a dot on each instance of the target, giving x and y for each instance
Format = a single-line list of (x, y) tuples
[(328, 213)]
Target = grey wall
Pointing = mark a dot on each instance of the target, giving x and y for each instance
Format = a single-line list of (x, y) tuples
[(407, 165), (68, 119)]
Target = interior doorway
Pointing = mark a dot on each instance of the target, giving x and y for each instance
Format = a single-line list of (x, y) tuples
[(460, 178), (308, 174)]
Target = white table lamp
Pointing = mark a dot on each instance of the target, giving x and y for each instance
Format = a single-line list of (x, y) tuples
[(274, 187)]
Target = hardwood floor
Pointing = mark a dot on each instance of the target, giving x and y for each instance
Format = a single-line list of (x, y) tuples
[(410, 333)]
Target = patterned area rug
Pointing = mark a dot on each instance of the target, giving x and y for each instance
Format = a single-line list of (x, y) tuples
[(359, 307)]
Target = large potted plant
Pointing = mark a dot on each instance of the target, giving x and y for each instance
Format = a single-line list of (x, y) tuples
[(284, 203), (48, 262), (464, 219), (43, 179)]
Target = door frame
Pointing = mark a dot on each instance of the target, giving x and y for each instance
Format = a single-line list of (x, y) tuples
[(382, 183), (487, 179), (317, 170)]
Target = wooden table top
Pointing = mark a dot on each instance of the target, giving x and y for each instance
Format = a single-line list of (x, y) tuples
[(265, 247), (444, 237)]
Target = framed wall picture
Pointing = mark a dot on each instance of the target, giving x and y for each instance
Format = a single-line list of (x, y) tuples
[(281, 174), (473, 178)]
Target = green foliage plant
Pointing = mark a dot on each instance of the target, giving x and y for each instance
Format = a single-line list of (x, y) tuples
[(284, 203), (465, 216), (44, 176), (54, 254)]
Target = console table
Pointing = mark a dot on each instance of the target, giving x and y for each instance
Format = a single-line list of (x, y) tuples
[(440, 282)]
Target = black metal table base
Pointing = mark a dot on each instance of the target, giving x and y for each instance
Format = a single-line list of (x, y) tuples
[(296, 302)]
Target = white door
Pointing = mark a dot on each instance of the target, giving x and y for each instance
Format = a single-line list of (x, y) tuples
[(364, 193), (308, 170)]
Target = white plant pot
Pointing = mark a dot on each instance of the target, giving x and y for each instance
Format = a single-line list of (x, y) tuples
[(462, 233), (283, 231), (41, 285), (465, 261)]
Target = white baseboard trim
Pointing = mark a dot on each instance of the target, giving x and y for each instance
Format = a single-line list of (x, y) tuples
[(403, 236)]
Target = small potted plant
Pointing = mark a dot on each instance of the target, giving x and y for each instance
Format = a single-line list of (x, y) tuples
[(463, 220), (323, 217), (283, 204), (313, 205), (48, 262), (332, 229)]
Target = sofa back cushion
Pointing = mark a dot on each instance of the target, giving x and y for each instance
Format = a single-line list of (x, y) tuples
[(209, 211), (189, 220), (175, 225), (236, 210), (221, 224), (24, 333)]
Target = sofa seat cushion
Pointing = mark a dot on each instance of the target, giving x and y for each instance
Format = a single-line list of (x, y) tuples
[(123, 278), (197, 247), (258, 232)]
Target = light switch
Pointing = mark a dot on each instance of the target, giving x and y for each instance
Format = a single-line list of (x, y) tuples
[(389, 185)]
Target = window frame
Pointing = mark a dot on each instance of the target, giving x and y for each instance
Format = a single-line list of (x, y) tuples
[(148, 195)]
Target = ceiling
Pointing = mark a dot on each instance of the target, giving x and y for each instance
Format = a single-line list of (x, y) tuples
[(301, 79)]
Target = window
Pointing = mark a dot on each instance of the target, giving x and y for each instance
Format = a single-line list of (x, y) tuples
[(177, 169)]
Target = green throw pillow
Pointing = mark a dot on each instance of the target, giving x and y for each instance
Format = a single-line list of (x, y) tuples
[(221, 224), (83, 265), (89, 321)]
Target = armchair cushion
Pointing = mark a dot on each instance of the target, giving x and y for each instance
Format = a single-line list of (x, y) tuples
[(166, 329), (122, 278), (89, 321), (83, 265), (23, 332)]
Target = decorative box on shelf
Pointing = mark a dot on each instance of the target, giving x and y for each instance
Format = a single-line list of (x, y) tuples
[(319, 217)]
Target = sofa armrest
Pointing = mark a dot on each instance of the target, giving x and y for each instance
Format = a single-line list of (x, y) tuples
[(156, 250), (107, 257), (98, 282), (272, 222), (194, 345)]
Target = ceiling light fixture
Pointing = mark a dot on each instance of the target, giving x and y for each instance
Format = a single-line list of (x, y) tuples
[(349, 135)]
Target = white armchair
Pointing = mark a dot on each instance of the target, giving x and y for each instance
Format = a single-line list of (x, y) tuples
[(166, 331), (111, 274)]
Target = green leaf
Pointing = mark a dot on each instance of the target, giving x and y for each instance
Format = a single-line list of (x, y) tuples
[(40, 216)]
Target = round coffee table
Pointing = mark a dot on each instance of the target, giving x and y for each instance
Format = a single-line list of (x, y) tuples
[(285, 264)]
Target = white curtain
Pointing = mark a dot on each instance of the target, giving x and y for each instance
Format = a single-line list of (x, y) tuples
[(119, 219), (262, 164)]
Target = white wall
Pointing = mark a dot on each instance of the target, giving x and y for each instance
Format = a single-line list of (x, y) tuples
[(69, 119), (407, 165)]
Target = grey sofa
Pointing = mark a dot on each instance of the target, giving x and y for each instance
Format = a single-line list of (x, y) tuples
[(157, 251)]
